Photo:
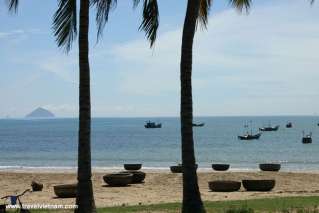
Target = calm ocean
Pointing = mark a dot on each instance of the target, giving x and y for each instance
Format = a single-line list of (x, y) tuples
[(53, 143)]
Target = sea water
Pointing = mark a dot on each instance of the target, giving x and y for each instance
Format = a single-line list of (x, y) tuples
[(39, 143)]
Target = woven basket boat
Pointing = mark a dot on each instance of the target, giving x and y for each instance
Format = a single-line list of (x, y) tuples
[(224, 186), (65, 190), (118, 179), (259, 185), (132, 166)]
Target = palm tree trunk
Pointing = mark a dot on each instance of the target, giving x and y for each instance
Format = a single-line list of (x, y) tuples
[(192, 202), (85, 198)]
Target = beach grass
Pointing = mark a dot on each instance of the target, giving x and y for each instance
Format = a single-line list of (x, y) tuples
[(284, 204)]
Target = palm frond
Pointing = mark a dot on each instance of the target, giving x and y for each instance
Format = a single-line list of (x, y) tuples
[(64, 23), (12, 5), (150, 20), (241, 4), (204, 8), (103, 8), (135, 3)]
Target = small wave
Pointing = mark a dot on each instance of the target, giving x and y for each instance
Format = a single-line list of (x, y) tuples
[(236, 168), (36, 169)]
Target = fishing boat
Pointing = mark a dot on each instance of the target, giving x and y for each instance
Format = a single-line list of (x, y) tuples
[(249, 136), (269, 128), (289, 125), (198, 125), (306, 139), (152, 125)]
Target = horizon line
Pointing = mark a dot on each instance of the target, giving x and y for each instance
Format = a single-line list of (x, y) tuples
[(198, 116)]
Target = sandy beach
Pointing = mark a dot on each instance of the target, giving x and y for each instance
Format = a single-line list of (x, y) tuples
[(159, 186)]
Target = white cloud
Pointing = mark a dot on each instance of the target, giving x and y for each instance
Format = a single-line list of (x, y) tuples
[(62, 110), (14, 36), (148, 71), (269, 55), (266, 59), (19, 35), (62, 65)]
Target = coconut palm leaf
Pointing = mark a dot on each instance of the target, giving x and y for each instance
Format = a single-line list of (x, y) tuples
[(103, 8), (135, 3), (204, 8), (241, 4), (13, 5), (150, 20), (64, 24)]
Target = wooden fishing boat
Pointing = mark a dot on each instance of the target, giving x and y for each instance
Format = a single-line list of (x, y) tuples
[(269, 128), (248, 136), (198, 125), (289, 125), (152, 125), (307, 139)]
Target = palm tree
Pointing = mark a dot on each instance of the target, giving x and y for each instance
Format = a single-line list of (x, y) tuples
[(65, 31), (197, 11)]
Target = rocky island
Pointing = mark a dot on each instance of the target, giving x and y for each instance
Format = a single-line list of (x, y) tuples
[(40, 113)]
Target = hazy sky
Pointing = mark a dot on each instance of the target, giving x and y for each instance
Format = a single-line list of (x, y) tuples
[(264, 63)]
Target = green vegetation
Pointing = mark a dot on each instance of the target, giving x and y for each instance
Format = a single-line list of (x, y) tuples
[(289, 204), (283, 205)]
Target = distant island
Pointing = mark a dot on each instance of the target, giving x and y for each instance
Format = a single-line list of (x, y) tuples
[(40, 113)]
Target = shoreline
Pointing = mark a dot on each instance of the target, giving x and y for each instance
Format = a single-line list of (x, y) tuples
[(70, 170)]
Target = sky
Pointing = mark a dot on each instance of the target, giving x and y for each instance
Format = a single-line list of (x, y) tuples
[(264, 62)]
